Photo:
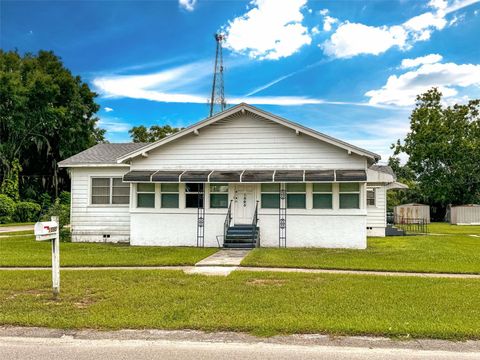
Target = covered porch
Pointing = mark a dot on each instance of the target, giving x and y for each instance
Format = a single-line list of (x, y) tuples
[(248, 208)]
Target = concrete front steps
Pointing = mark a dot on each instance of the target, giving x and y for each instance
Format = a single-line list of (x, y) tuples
[(241, 237)]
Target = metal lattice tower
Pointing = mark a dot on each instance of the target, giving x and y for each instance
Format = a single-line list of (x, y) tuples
[(217, 100)]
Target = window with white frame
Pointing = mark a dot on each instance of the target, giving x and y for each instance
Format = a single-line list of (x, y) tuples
[(296, 196), (322, 196), (145, 195), (218, 196), (109, 191), (169, 196), (349, 196), (371, 192), (194, 195), (270, 196)]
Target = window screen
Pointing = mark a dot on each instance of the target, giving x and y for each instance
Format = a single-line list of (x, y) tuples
[(169, 196), (146, 195), (296, 195), (194, 195), (270, 196), (218, 196), (322, 196), (108, 191), (349, 196), (371, 196)]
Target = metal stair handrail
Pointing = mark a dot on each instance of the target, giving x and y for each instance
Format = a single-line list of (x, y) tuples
[(228, 220), (254, 227)]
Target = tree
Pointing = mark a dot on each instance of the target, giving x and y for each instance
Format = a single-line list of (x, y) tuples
[(46, 115), (443, 148), (155, 133)]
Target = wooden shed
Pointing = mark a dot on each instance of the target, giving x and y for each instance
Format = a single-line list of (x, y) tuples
[(411, 213), (465, 215)]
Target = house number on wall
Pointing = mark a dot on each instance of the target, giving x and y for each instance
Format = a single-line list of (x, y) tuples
[(244, 200)]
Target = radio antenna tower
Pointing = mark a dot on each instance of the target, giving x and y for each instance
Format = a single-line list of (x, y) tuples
[(217, 100)]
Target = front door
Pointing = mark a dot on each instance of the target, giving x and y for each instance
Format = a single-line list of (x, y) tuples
[(244, 204)]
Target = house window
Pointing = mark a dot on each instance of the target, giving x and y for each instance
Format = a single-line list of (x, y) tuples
[(110, 191), (194, 195), (218, 196), (270, 196), (322, 196), (169, 196), (350, 196), (296, 195), (371, 196), (146, 195)]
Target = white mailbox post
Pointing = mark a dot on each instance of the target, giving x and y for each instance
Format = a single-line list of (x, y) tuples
[(49, 230)]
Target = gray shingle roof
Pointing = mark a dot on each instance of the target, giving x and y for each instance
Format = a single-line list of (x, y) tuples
[(384, 169), (101, 154)]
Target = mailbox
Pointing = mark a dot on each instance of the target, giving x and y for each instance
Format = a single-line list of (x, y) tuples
[(46, 230)]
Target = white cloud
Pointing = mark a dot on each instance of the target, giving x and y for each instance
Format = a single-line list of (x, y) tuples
[(188, 5), (448, 77), (427, 59), (315, 30), (328, 21), (107, 109), (351, 39), (271, 29), (113, 125)]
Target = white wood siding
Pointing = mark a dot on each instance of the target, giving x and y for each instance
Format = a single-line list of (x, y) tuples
[(376, 215), (248, 142), (91, 222)]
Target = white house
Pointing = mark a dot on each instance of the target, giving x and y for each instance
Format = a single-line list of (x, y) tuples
[(241, 178)]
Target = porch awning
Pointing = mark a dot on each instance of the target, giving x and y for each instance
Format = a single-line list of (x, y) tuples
[(244, 176)]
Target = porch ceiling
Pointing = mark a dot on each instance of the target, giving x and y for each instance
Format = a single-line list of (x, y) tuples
[(245, 176)]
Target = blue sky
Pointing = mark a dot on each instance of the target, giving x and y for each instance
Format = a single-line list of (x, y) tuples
[(350, 69)]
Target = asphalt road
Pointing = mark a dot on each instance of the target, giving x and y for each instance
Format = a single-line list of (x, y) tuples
[(25, 348)]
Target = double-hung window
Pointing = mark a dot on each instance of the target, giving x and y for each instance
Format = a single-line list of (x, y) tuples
[(296, 196), (349, 196), (109, 191), (371, 196), (169, 196), (145, 195), (218, 196), (322, 196), (270, 196), (193, 195)]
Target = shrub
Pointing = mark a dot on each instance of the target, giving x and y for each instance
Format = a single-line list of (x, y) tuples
[(65, 197), (7, 209), (45, 201), (26, 211), (63, 212)]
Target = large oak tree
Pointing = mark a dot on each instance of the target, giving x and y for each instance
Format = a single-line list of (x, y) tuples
[(46, 115)]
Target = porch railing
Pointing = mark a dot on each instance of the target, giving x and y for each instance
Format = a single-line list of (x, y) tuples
[(254, 227), (228, 220), (411, 225)]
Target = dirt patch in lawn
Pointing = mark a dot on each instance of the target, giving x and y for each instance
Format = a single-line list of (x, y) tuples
[(263, 282)]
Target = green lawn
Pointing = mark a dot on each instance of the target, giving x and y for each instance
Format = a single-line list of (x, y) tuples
[(445, 228), (452, 253), (25, 251), (17, 224), (259, 303)]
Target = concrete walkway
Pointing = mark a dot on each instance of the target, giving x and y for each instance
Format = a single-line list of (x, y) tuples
[(225, 257), (225, 270), (5, 229)]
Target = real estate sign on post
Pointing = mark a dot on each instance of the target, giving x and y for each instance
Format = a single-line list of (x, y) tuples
[(49, 231)]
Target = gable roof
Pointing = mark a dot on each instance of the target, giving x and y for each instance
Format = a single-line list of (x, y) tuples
[(254, 110), (101, 154)]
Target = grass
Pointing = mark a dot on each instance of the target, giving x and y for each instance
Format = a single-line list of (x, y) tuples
[(21, 232), (25, 251), (446, 228), (260, 303), (17, 224), (452, 253)]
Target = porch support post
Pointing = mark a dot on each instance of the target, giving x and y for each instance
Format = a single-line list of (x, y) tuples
[(282, 217), (201, 217)]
